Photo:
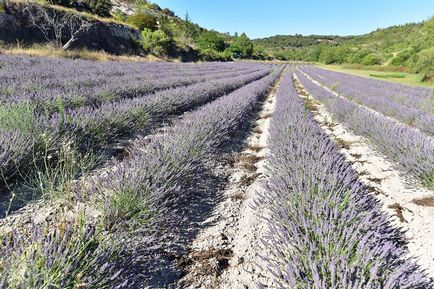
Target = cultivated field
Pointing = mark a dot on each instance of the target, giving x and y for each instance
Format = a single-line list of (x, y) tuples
[(212, 175)]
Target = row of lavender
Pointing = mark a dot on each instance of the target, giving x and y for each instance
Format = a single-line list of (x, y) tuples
[(92, 128), (408, 147), (157, 181), (325, 230), (413, 106), (82, 83)]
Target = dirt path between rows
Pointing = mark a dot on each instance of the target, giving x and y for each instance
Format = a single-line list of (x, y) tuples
[(226, 253), (409, 204), (365, 107)]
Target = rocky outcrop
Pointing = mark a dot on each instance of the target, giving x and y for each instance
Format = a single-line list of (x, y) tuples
[(110, 37)]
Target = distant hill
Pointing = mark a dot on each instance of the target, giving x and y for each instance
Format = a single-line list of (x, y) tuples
[(278, 42), (409, 47)]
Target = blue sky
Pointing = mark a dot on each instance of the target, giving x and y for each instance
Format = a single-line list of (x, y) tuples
[(261, 18)]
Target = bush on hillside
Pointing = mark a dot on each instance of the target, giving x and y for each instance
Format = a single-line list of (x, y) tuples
[(100, 7), (155, 42), (66, 3), (242, 47), (212, 55), (119, 15), (210, 40), (424, 64), (371, 59), (142, 20), (401, 58)]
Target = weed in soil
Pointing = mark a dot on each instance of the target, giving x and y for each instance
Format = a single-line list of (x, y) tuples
[(425, 202), (398, 209)]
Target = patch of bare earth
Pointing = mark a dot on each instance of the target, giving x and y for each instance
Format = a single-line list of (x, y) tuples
[(409, 204), (225, 254)]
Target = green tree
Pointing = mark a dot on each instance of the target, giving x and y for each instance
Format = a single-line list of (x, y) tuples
[(143, 20), (100, 7), (242, 47), (155, 42), (210, 40)]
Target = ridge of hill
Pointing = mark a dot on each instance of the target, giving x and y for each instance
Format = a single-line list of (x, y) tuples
[(408, 47)]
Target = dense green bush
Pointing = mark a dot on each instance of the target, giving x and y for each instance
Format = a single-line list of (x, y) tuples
[(242, 47), (212, 55), (100, 7), (143, 20), (425, 63), (66, 3), (371, 59), (119, 15), (401, 58), (210, 40), (155, 42)]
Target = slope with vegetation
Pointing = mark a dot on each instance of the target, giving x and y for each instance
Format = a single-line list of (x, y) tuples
[(139, 28), (405, 48)]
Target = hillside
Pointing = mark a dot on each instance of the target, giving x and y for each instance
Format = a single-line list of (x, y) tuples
[(117, 27), (408, 47)]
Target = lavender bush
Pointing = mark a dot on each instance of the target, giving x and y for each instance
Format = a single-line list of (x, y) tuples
[(325, 230), (152, 184), (92, 127), (412, 150), (42, 80), (413, 106)]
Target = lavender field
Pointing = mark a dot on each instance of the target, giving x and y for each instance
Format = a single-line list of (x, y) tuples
[(212, 175)]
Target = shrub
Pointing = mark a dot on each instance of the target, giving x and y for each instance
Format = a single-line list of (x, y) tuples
[(212, 55), (100, 7), (210, 40), (401, 58), (142, 21), (20, 117), (119, 15), (66, 3), (424, 60), (156, 42), (371, 59), (242, 47)]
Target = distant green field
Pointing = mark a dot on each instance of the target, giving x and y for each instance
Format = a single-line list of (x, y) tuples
[(400, 77)]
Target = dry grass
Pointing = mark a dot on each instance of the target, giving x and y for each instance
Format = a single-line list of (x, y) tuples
[(238, 196), (257, 130), (398, 210), (425, 202), (356, 156), (50, 51), (343, 143), (266, 115), (87, 15), (246, 181), (211, 261), (255, 148), (374, 180)]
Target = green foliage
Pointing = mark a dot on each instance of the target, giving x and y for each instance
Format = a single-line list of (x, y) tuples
[(387, 75), (119, 15), (66, 3), (59, 166), (143, 20), (424, 64), (212, 55), (20, 117), (156, 42), (123, 205), (407, 47), (371, 59), (210, 40), (401, 58), (242, 47), (100, 7)]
